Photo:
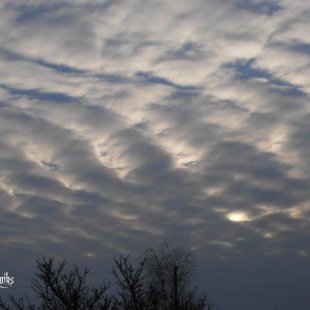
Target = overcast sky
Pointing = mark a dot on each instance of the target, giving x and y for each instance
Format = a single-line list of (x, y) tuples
[(125, 122)]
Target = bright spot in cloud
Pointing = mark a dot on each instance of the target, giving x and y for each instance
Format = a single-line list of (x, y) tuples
[(238, 216)]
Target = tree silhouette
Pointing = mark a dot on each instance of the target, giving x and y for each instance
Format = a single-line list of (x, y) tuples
[(133, 294), (170, 271), (158, 280), (60, 289)]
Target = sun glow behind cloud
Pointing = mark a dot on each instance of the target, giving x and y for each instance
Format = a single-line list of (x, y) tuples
[(238, 216)]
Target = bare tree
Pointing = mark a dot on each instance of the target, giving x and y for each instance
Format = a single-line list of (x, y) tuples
[(133, 293), (19, 304), (170, 272), (160, 280), (60, 289)]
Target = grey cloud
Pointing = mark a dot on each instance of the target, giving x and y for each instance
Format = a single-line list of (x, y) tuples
[(263, 7), (186, 111), (300, 47), (29, 12), (41, 207), (298, 141), (126, 44), (246, 159), (60, 27), (190, 51), (251, 177)]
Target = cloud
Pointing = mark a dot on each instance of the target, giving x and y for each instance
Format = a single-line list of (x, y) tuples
[(125, 122), (259, 7)]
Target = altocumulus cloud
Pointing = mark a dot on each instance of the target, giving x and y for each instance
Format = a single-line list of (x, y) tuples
[(126, 122)]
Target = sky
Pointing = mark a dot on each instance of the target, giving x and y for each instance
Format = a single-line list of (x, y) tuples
[(127, 122)]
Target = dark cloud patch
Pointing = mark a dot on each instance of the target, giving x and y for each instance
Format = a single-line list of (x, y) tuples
[(51, 12), (149, 78), (245, 69), (281, 223), (126, 44), (61, 68), (89, 203), (301, 47), (74, 154), (156, 171), (189, 115), (298, 141), (236, 156), (188, 51), (249, 178), (4, 105), (261, 123), (51, 166), (11, 55), (101, 6), (40, 95), (269, 7), (37, 206), (141, 125), (249, 195), (13, 163), (59, 27), (36, 183), (183, 94), (113, 78), (29, 12)]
